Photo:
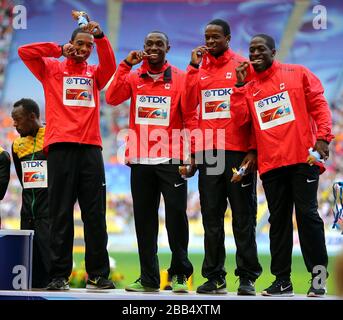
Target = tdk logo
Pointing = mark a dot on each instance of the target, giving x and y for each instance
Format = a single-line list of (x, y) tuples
[(83, 81), (272, 99), (218, 92), (33, 164), (152, 99)]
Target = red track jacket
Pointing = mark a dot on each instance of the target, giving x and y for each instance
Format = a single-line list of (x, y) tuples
[(209, 89), (289, 113), (155, 110), (71, 90)]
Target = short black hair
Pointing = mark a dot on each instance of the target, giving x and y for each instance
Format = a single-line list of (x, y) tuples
[(29, 106), (160, 32), (223, 24), (76, 32), (270, 42)]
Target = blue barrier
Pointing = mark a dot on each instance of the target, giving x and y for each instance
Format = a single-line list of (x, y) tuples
[(16, 259)]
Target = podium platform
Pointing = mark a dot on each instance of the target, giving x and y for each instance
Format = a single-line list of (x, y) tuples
[(121, 294)]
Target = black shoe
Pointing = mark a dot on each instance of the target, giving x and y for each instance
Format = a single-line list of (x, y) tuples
[(58, 284), (213, 286), (99, 283), (316, 290), (279, 287), (246, 287)]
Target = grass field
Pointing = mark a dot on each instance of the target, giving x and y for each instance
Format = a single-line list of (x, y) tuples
[(127, 264)]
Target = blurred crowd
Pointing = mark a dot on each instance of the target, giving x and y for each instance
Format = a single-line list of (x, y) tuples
[(5, 37)]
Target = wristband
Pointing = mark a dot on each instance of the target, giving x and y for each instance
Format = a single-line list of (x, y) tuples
[(239, 84), (128, 63), (99, 36), (195, 65), (61, 46)]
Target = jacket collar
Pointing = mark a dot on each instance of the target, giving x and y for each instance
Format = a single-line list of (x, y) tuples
[(267, 73), (166, 69), (72, 65), (210, 61)]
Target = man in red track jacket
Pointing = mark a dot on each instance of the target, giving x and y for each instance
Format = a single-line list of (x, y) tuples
[(154, 150), (210, 87), (289, 113), (73, 141)]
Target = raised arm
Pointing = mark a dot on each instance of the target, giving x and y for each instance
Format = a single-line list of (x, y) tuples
[(190, 95), (190, 98), (107, 62), (36, 56), (120, 87)]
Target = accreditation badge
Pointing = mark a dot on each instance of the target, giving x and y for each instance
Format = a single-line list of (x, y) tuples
[(35, 174)]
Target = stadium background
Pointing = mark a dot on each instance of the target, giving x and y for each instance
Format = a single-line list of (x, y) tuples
[(126, 23)]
